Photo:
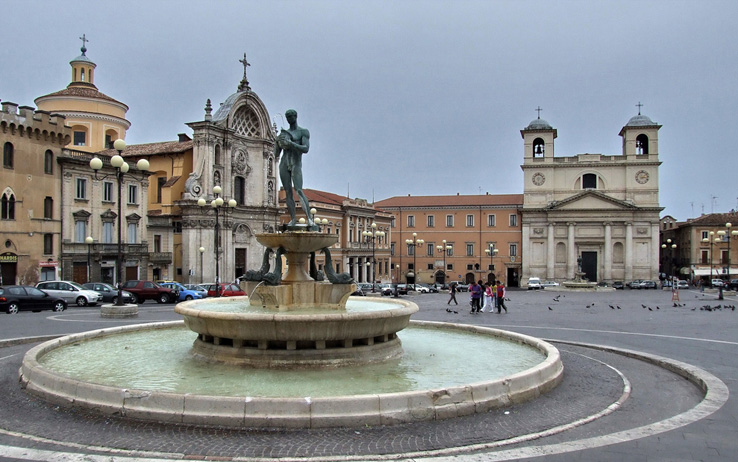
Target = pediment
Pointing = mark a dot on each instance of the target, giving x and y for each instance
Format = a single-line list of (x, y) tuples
[(591, 200)]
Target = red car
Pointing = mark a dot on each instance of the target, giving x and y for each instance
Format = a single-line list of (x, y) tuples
[(226, 290)]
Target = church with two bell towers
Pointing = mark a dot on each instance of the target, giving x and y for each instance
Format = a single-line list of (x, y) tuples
[(595, 209)]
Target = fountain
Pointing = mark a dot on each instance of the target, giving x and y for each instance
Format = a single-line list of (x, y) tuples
[(579, 281), (298, 351)]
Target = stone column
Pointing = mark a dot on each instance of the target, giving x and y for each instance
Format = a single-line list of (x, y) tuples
[(608, 252), (571, 260), (629, 251), (550, 252), (526, 250), (655, 248)]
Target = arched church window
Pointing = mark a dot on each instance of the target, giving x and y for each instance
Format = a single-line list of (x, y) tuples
[(589, 181), (539, 147), (217, 155), (8, 206), (239, 189), (641, 144), (82, 75), (246, 123)]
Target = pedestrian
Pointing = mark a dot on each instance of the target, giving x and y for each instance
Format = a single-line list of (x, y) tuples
[(493, 289), (501, 298), (487, 299), (452, 291), (702, 286), (476, 296)]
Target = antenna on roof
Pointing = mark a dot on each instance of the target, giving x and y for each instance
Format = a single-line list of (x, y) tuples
[(712, 203)]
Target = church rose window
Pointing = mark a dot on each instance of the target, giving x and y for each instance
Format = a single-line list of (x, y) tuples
[(246, 123)]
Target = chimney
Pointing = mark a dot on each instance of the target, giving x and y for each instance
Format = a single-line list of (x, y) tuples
[(9, 108), (183, 137)]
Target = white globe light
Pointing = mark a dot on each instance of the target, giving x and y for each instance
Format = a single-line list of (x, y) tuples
[(119, 145), (116, 161), (143, 165), (201, 249), (213, 204), (302, 221), (325, 222), (232, 203), (313, 211), (125, 167), (217, 190), (219, 201), (89, 240), (201, 202), (96, 163)]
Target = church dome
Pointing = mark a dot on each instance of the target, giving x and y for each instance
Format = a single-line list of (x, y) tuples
[(539, 124), (640, 121)]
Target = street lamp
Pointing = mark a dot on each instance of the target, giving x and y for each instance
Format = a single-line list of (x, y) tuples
[(669, 245), (711, 240), (444, 248), (121, 168), (724, 236), (88, 240), (371, 236), (413, 243), (216, 204), (201, 250), (492, 252)]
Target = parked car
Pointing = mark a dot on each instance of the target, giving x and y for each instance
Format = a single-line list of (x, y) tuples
[(225, 290), (149, 290), (358, 293), (432, 289), (648, 285), (421, 289), (682, 284), (184, 292), (634, 284), (108, 293), (733, 284), (26, 298), (364, 287), (71, 292), (545, 284), (618, 285), (717, 283), (198, 288), (386, 289), (534, 284), (402, 289), (462, 287)]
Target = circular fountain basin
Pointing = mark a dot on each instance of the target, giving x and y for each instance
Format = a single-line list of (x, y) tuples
[(231, 330), (149, 372)]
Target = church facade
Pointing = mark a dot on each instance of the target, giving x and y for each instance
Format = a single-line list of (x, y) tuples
[(594, 210)]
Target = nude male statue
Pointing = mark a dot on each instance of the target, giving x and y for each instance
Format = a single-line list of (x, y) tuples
[(293, 143)]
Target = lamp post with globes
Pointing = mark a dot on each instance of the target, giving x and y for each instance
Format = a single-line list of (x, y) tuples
[(216, 204), (88, 240), (413, 244), (121, 168), (370, 237), (724, 236), (443, 248), (671, 247), (492, 252), (201, 250), (710, 240)]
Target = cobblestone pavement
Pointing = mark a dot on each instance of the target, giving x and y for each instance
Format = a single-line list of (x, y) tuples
[(592, 382)]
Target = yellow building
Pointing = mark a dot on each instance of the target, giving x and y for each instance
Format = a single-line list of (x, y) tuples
[(30, 222), (479, 238), (97, 120)]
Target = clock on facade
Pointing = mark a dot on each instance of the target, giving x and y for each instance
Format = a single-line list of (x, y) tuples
[(539, 179), (642, 176)]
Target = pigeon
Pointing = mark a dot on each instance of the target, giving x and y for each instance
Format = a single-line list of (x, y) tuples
[(650, 309), (618, 307), (644, 306), (611, 307), (589, 306), (657, 307), (456, 312)]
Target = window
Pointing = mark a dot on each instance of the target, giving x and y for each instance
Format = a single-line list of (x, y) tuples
[(491, 220), (469, 266), (705, 235), (410, 221), (641, 144), (160, 182), (157, 243), (430, 266), (239, 190), (450, 248), (513, 220), (107, 236), (469, 250), (469, 221), (80, 138), (392, 249), (81, 188), (393, 222), (429, 249), (107, 191), (132, 233), (48, 244), (8, 206), (108, 142), (410, 266), (539, 148), (703, 257), (132, 194), (723, 257), (177, 226), (8, 155), (589, 181), (80, 231), (431, 221), (449, 221), (513, 250), (49, 162), (48, 207), (449, 267), (410, 249)]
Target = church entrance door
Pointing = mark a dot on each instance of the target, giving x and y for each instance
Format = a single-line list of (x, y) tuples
[(589, 265)]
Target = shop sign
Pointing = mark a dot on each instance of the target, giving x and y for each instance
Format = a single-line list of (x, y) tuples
[(8, 257)]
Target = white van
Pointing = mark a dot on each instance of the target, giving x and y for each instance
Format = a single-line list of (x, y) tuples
[(534, 283)]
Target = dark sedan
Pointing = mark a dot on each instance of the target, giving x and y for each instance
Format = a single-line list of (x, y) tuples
[(108, 292), (26, 298)]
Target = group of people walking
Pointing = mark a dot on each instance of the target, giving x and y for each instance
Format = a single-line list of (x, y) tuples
[(484, 297)]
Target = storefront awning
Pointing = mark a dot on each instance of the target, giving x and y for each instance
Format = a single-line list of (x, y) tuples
[(716, 272)]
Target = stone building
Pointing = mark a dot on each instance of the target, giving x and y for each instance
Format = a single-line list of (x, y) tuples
[(601, 208), (481, 234), (354, 253), (30, 222)]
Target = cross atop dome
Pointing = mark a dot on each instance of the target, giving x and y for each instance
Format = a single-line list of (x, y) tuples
[(639, 106), (244, 85), (84, 47), (538, 110)]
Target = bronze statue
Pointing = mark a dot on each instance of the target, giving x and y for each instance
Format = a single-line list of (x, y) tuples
[(293, 142)]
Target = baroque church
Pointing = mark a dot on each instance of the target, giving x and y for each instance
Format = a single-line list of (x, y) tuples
[(233, 148), (597, 211)]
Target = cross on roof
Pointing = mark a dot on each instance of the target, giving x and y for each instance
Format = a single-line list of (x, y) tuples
[(244, 85), (639, 105), (538, 109), (84, 39)]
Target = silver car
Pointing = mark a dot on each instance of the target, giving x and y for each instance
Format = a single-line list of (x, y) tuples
[(71, 292)]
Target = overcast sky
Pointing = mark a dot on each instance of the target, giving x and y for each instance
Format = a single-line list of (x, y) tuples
[(413, 97)]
